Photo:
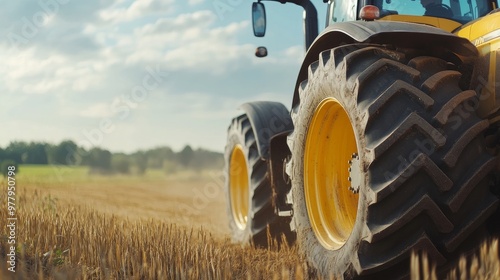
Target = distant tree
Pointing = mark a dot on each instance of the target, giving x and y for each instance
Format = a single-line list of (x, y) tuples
[(141, 162), (186, 156), (4, 166), (66, 153), (99, 160), (36, 154), (120, 163), (207, 160), (156, 156), (22, 152), (16, 151)]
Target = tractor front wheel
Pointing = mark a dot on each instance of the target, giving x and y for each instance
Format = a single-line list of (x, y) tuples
[(251, 210)]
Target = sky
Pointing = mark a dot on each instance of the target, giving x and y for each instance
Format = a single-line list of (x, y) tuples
[(126, 75)]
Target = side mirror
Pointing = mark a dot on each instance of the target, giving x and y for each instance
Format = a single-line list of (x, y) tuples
[(259, 19)]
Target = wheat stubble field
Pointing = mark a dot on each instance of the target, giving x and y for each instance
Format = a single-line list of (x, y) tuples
[(74, 226)]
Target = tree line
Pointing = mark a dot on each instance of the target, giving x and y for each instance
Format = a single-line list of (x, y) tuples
[(103, 161)]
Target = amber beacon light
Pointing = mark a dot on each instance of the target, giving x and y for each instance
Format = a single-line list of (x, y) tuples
[(369, 13)]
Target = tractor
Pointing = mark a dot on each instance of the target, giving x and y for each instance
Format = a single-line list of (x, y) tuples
[(390, 145)]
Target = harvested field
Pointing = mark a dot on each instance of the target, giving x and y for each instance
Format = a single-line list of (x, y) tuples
[(130, 227)]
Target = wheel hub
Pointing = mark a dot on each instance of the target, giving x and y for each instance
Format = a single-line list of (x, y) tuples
[(354, 173)]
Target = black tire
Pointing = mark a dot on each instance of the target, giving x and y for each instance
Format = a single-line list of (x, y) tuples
[(263, 224), (425, 173)]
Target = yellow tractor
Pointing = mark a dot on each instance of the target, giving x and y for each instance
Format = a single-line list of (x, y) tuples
[(390, 145)]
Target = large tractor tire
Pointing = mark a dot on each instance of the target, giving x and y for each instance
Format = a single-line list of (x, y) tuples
[(387, 158), (252, 214)]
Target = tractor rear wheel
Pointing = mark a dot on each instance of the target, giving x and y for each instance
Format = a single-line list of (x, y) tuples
[(387, 158)]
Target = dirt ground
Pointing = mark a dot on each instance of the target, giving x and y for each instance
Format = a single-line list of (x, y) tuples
[(192, 200)]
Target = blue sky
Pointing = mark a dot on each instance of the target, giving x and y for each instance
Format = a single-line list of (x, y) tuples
[(128, 75)]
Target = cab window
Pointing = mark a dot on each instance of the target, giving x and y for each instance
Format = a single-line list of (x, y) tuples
[(343, 10), (459, 10)]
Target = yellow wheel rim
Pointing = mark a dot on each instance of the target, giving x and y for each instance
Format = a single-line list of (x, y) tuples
[(238, 187), (330, 144)]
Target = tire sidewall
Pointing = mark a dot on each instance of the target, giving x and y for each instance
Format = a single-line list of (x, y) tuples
[(344, 260)]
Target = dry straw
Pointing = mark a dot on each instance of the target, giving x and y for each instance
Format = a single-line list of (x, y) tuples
[(62, 241)]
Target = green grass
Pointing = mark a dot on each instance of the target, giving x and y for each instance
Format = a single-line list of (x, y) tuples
[(51, 173), (46, 176), (43, 175)]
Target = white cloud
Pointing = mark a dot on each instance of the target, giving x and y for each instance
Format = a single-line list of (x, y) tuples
[(296, 53), (98, 110), (179, 23), (188, 41), (137, 9), (71, 86), (195, 2), (30, 72)]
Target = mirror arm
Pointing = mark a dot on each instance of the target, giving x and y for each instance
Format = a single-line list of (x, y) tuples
[(310, 22)]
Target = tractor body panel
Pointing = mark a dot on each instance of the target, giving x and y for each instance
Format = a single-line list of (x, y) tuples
[(484, 33), (441, 23)]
